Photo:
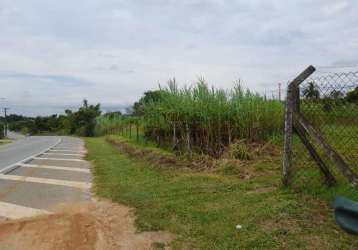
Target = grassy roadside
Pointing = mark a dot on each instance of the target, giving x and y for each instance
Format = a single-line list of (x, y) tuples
[(5, 141), (203, 209)]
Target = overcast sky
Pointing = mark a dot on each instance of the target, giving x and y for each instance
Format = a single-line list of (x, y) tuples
[(54, 53)]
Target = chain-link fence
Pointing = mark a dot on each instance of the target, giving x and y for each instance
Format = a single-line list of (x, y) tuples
[(325, 142)]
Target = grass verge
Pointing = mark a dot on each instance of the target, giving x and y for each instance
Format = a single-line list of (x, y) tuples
[(5, 141), (203, 209)]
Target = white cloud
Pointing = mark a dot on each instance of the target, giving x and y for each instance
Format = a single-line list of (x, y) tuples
[(335, 8), (122, 48)]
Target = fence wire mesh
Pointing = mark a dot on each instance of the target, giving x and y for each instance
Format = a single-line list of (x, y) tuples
[(330, 104)]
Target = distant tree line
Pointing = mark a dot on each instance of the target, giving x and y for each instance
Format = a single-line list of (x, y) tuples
[(81, 122), (312, 92), (148, 97)]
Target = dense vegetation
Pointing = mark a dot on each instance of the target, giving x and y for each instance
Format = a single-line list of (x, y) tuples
[(201, 119), (207, 120), (116, 123), (82, 122)]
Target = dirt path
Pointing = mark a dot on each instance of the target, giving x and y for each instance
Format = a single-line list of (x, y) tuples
[(86, 226), (55, 185)]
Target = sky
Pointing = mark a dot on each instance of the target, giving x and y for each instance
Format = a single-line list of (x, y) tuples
[(53, 54)]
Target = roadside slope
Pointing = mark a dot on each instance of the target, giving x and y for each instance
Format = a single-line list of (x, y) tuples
[(204, 209)]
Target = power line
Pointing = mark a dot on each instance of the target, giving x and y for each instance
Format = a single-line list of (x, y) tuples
[(279, 91)]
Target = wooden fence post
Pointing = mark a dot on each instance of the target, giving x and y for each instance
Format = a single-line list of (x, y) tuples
[(287, 137), (329, 178), (291, 106), (337, 160)]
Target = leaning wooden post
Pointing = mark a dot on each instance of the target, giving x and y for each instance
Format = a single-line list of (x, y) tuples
[(329, 178), (291, 106), (337, 160)]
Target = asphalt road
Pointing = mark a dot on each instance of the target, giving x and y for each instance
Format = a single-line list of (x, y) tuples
[(24, 147), (52, 174)]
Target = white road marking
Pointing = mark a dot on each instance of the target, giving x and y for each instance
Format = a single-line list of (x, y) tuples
[(56, 159), (68, 150), (9, 168), (75, 184), (50, 153), (84, 170), (13, 211)]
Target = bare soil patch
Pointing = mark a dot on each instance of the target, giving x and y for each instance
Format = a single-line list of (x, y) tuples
[(86, 226)]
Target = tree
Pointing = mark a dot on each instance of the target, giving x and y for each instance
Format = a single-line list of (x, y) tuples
[(352, 96), (311, 92), (83, 122), (27, 125), (53, 123), (336, 94), (112, 115), (149, 96)]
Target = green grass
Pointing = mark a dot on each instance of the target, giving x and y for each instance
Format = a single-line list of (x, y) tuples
[(203, 209), (5, 141)]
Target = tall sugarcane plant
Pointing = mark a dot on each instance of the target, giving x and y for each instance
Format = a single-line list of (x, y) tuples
[(199, 118), (206, 120)]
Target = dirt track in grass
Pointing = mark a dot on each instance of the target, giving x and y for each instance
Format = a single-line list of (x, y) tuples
[(86, 226)]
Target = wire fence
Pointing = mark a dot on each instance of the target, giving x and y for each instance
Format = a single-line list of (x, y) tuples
[(325, 148)]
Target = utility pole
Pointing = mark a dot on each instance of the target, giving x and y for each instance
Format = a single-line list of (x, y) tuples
[(279, 91), (6, 126), (5, 113)]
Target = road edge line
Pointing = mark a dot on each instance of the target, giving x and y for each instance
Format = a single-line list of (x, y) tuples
[(15, 211), (82, 170), (14, 166)]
